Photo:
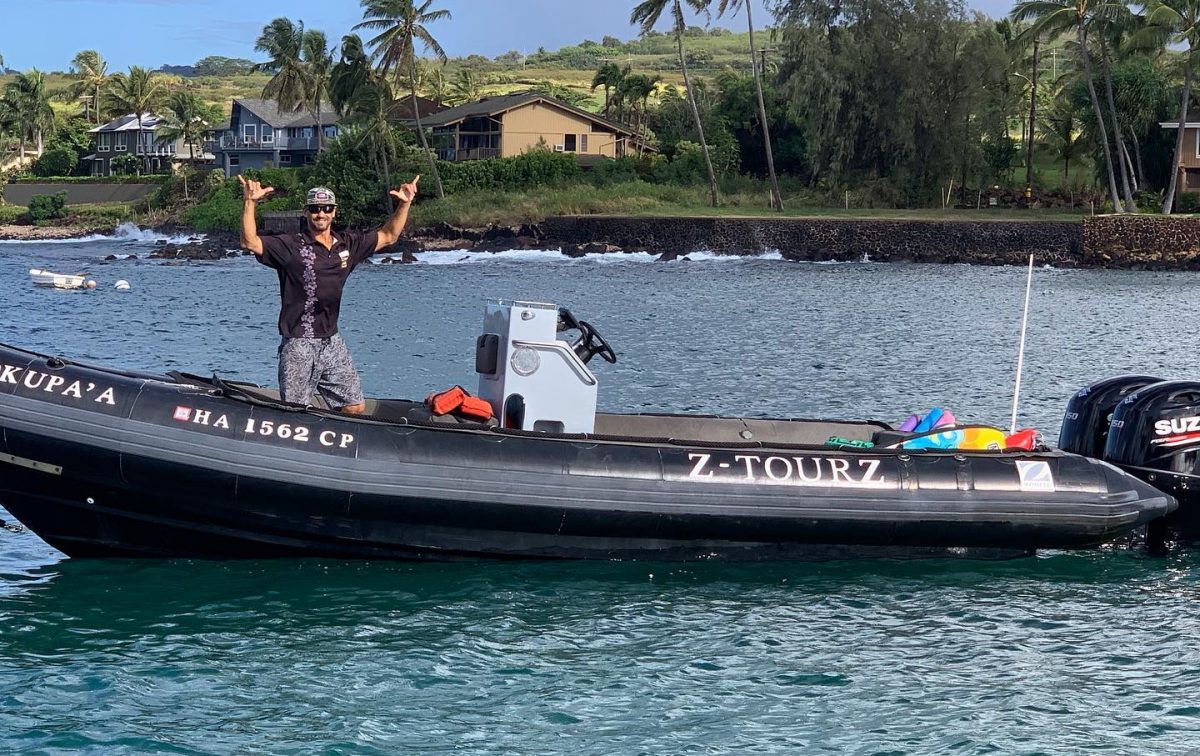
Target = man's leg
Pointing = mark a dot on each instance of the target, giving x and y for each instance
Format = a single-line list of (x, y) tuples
[(297, 370), (339, 383)]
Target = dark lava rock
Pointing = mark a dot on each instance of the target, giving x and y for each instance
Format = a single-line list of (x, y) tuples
[(591, 248), (205, 250)]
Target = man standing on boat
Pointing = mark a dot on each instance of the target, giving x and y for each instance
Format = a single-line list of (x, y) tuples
[(313, 266)]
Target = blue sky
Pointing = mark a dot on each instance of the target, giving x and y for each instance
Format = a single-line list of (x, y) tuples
[(180, 32)]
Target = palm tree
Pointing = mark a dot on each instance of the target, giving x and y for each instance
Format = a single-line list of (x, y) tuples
[(1114, 20), (1060, 128), (318, 61), (188, 119), (1055, 17), (637, 88), (26, 106), (608, 76), (91, 74), (647, 14), (734, 6), (300, 61), (283, 41), (137, 92), (371, 112), (1179, 22), (349, 74), (401, 24), (465, 87)]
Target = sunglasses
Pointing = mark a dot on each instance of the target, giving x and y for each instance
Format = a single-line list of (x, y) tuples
[(327, 209)]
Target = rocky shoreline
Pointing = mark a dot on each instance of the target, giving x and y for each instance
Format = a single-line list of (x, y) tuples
[(1130, 242)]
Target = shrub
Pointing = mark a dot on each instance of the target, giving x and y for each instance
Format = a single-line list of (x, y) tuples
[(48, 206), (1188, 202), (123, 165), (59, 161)]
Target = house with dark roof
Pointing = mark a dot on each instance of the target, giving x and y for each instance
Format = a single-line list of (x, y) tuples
[(508, 125), (259, 133), (127, 136)]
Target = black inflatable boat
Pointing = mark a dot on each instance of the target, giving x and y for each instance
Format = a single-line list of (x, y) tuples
[(103, 462)]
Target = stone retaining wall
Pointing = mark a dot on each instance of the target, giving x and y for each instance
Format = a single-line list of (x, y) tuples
[(1141, 241), (1103, 241), (982, 242)]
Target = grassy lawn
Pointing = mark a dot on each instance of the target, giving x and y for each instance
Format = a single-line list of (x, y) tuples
[(473, 209)]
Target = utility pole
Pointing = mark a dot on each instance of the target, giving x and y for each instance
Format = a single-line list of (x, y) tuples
[(762, 65)]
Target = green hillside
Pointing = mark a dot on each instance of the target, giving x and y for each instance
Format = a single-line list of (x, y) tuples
[(566, 72)]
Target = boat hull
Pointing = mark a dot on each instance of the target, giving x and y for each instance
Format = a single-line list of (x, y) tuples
[(103, 463)]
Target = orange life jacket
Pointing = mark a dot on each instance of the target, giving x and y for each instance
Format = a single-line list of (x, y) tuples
[(460, 402)]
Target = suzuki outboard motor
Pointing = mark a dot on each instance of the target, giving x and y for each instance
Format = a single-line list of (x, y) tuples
[(1155, 435), (1085, 423)]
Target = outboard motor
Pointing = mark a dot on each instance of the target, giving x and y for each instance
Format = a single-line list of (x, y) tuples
[(1086, 421), (1155, 435)]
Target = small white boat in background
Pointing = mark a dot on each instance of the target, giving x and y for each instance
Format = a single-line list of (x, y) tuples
[(57, 280)]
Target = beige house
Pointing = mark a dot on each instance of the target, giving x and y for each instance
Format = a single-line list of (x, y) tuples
[(1190, 161), (508, 125)]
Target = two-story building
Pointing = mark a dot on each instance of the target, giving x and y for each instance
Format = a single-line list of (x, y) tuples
[(508, 125), (127, 136), (258, 134), (1189, 166)]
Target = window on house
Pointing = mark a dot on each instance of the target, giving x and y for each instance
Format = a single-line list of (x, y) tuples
[(583, 143), (285, 159), (248, 132), (235, 160), (268, 135), (119, 144), (103, 142), (569, 142)]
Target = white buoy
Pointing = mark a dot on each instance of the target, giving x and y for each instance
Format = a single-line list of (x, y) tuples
[(90, 284), (121, 285)]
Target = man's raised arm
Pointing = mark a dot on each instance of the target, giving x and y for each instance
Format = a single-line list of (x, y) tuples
[(390, 232), (252, 193)]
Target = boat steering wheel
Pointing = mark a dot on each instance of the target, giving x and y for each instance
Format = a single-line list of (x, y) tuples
[(590, 343)]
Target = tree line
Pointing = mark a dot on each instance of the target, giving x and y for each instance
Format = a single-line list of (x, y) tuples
[(901, 101)]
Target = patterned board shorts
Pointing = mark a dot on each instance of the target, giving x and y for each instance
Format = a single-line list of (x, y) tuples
[(321, 366)]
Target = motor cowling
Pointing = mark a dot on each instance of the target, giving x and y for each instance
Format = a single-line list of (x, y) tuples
[(1086, 422), (1158, 427), (1155, 434)]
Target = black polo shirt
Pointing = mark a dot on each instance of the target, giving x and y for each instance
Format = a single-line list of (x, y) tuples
[(311, 278)]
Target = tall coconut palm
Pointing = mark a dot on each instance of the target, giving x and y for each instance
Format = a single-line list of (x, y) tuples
[(1055, 17), (318, 62), (1179, 22), (733, 6), (283, 41), (350, 73), (646, 14), (300, 62), (137, 93), (91, 74), (26, 106), (401, 25), (1113, 21)]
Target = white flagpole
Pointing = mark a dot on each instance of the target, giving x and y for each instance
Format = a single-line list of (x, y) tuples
[(1021, 349)]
